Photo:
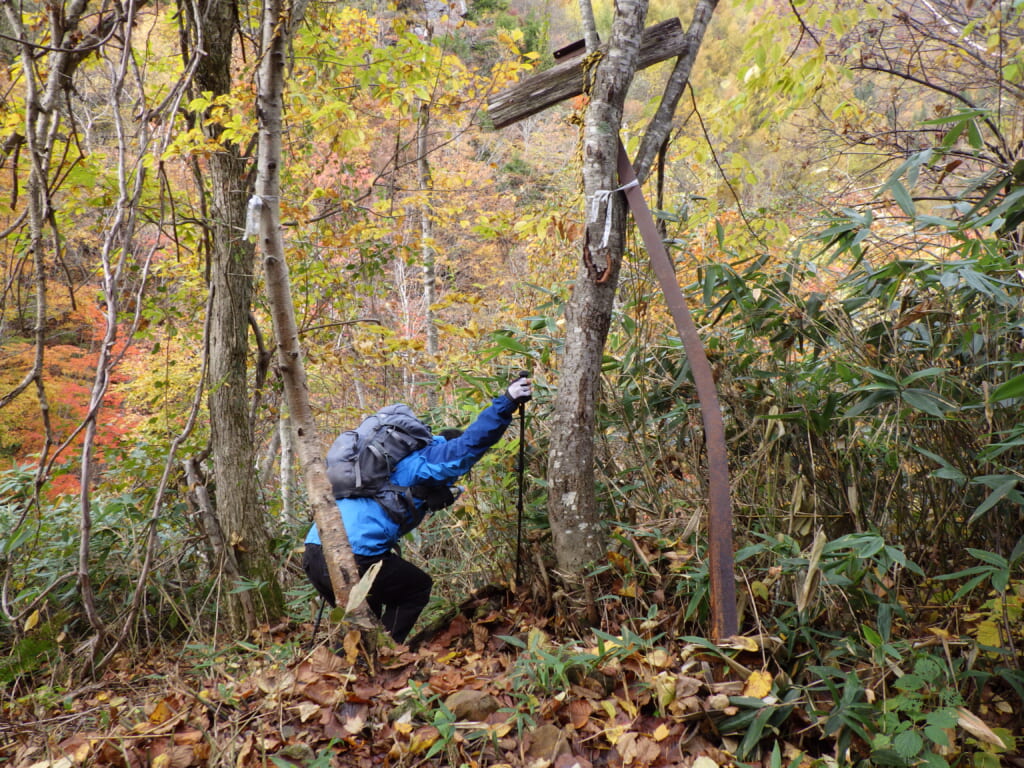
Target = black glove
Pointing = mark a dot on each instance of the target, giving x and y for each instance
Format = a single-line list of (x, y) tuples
[(520, 390), (437, 497)]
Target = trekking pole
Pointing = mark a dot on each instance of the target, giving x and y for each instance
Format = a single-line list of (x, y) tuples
[(319, 615), (522, 484)]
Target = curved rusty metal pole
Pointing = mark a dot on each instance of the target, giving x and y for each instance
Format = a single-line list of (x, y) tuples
[(723, 583)]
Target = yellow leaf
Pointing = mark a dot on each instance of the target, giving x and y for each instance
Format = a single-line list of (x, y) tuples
[(740, 643), (704, 762), (32, 621), (988, 634), (351, 645), (628, 590), (940, 633), (661, 732), (161, 713), (758, 685), (423, 739)]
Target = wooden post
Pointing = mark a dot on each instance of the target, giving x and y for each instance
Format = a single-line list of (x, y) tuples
[(662, 41)]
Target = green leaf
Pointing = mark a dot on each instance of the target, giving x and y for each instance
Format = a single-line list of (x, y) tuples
[(871, 636), (908, 744), (507, 342), (927, 373), (1009, 389), (909, 683), (754, 733), (932, 760), (902, 198), (925, 401), (947, 471), (997, 495)]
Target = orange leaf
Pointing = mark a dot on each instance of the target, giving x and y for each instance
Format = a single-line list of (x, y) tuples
[(161, 713), (579, 712)]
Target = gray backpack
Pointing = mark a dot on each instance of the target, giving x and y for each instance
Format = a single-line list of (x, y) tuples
[(361, 460)]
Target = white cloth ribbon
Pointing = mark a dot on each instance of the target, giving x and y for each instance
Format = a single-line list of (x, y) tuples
[(603, 197), (252, 217)]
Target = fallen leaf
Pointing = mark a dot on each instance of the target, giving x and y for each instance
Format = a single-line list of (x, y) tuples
[(704, 762), (636, 748), (579, 712), (161, 713), (718, 701), (32, 621), (323, 692), (274, 682), (423, 739), (687, 686), (661, 732), (306, 710), (740, 643), (547, 742), (351, 643), (659, 658), (470, 704), (353, 717), (76, 747), (758, 685), (191, 736), (975, 726)]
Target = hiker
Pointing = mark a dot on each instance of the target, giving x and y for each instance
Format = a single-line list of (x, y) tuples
[(401, 590)]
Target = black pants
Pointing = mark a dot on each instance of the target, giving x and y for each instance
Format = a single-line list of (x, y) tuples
[(398, 595)]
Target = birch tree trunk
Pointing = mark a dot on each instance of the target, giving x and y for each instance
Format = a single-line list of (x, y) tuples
[(340, 563)]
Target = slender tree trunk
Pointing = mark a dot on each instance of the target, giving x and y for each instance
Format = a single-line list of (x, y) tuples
[(340, 562), (427, 252), (237, 500), (426, 228)]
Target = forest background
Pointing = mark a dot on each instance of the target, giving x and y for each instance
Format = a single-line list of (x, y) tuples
[(842, 193)]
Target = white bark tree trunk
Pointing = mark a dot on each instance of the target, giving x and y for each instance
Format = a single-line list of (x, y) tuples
[(340, 562)]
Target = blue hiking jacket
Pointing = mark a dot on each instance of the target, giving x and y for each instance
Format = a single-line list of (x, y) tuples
[(371, 532)]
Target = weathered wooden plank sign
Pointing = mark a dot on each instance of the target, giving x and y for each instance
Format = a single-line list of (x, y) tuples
[(566, 79), (563, 81)]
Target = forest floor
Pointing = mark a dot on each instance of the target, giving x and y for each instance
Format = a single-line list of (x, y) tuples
[(488, 689)]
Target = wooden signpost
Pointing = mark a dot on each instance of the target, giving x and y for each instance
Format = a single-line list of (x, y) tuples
[(563, 81)]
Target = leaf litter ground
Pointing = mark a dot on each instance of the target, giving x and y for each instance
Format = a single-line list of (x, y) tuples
[(487, 689)]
